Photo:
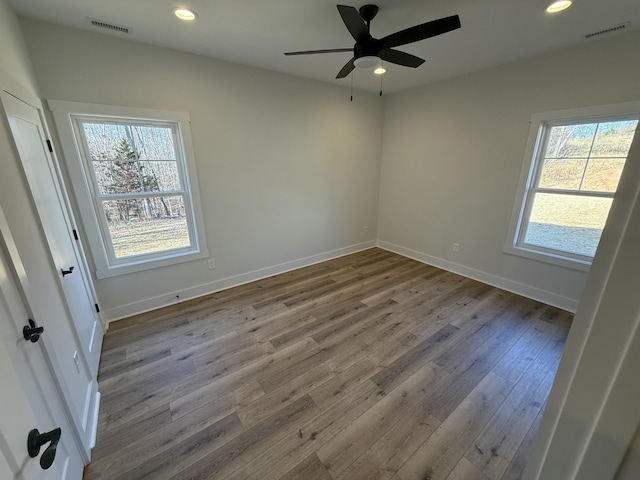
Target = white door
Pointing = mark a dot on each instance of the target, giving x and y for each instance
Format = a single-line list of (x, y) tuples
[(51, 202), (29, 399), (60, 302)]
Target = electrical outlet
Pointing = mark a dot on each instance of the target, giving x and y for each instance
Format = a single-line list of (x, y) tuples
[(456, 247), (212, 264), (365, 229)]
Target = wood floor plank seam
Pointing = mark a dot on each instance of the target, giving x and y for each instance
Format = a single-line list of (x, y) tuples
[(368, 366)]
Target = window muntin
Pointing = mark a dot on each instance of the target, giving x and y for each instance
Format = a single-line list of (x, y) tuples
[(576, 170), (136, 178)]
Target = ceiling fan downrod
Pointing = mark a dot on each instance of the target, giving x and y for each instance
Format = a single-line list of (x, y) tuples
[(368, 13)]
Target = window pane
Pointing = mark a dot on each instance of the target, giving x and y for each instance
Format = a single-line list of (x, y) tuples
[(132, 177), (614, 139), (154, 143), (146, 225), (120, 177), (567, 223), (570, 141), (562, 173), (610, 150), (108, 141), (160, 176), (603, 174)]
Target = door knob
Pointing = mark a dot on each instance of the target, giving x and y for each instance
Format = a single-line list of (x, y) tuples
[(35, 440), (67, 272), (31, 332)]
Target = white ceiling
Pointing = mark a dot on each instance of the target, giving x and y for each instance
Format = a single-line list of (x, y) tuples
[(257, 32)]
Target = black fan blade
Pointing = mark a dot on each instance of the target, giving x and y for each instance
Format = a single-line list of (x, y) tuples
[(400, 58), (354, 22), (347, 69), (311, 52), (421, 32)]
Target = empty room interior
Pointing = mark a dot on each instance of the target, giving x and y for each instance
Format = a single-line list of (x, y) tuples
[(228, 254)]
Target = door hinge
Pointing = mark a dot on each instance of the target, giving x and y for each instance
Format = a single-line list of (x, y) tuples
[(97, 307), (75, 234), (49, 145)]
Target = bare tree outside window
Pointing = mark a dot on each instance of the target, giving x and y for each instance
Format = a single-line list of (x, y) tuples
[(138, 186)]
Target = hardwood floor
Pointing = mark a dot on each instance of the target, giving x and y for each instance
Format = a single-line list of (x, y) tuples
[(370, 366)]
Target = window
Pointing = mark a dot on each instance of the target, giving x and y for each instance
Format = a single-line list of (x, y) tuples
[(133, 175), (572, 166)]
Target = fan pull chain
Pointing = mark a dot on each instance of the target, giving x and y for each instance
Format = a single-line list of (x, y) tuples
[(352, 85), (381, 84)]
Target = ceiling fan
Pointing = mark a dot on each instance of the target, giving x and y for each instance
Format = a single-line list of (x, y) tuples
[(368, 51)]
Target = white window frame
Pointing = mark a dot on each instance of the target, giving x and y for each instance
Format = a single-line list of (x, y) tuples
[(67, 116), (532, 168)]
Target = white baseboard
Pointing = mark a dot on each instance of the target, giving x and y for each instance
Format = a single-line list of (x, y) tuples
[(545, 296), (528, 291), (123, 311)]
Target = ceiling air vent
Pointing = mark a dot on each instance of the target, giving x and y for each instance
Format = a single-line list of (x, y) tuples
[(608, 31), (109, 26)]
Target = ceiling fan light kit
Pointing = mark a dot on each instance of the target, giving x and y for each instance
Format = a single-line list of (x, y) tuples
[(368, 61), (369, 52)]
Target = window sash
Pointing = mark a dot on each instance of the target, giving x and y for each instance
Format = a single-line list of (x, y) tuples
[(578, 193), (538, 162), (526, 220), (108, 240), (99, 198), (80, 120), (530, 177)]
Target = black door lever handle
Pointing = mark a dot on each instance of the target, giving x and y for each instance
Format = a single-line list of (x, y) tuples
[(35, 440), (67, 272), (31, 332)]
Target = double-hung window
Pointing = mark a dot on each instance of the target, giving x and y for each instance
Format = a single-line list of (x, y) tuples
[(133, 176), (572, 168)]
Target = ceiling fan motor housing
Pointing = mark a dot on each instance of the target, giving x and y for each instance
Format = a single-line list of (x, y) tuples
[(370, 48)]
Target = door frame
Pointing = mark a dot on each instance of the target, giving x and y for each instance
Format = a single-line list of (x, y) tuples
[(9, 251), (84, 442)]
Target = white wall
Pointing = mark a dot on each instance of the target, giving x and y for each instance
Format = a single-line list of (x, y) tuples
[(15, 69), (15, 199), (288, 168), (452, 154)]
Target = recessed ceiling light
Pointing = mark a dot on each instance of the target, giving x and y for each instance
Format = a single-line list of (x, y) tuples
[(558, 6), (380, 70), (185, 14)]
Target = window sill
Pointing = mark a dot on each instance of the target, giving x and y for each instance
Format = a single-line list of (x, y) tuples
[(547, 257), (142, 265)]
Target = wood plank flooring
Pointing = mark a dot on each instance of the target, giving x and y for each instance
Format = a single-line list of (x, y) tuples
[(370, 366)]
